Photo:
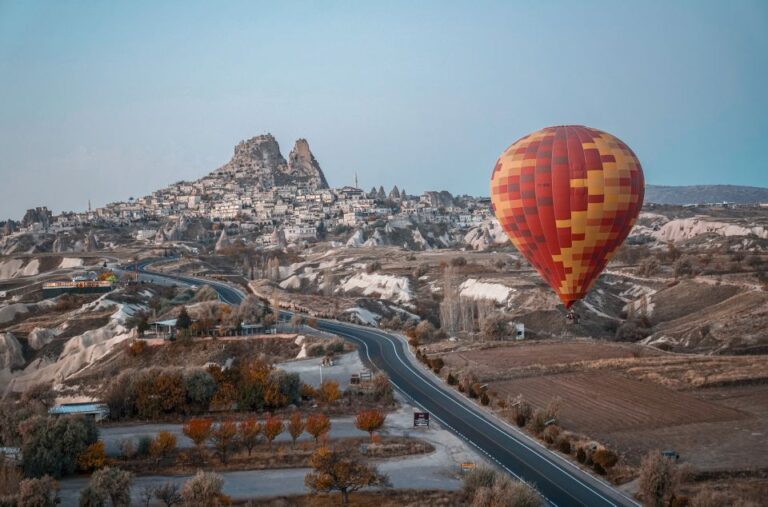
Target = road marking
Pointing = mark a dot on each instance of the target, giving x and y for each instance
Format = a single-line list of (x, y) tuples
[(516, 439)]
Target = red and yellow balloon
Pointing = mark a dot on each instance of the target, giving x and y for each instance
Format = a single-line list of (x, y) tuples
[(567, 197)]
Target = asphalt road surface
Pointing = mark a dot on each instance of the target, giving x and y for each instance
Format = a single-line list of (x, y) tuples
[(561, 482)]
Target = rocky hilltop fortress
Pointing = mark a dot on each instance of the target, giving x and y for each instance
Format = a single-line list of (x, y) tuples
[(258, 161)]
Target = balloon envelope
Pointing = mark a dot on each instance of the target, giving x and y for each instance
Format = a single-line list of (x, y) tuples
[(567, 197)]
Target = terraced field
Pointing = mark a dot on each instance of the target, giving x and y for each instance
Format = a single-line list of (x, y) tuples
[(501, 359)]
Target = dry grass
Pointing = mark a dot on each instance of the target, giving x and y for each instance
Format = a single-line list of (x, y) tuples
[(386, 498), (187, 461)]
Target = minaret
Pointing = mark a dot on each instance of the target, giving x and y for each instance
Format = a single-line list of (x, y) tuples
[(89, 205), (356, 180)]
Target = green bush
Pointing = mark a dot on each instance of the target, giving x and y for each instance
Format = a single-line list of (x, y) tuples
[(142, 448), (51, 446)]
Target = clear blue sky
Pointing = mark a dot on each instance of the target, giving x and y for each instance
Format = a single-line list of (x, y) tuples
[(107, 100)]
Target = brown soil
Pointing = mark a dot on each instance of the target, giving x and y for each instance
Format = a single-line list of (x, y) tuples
[(502, 358), (605, 402)]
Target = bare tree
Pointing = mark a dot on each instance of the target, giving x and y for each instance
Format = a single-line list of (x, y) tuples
[(168, 493)]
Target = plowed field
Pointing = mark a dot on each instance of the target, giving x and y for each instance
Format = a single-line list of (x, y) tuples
[(500, 359), (602, 402)]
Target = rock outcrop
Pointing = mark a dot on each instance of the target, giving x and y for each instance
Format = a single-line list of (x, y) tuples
[(302, 166), (11, 355), (223, 241), (258, 161), (40, 337)]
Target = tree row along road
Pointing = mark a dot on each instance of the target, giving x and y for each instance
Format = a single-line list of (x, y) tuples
[(562, 483)]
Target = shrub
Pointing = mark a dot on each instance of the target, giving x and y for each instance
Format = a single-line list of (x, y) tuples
[(329, 391), (631, 331), (536, 423), (437, 364), (10, 479), (597, 467), (523, 411), (42, 492), (649, 266), (307, 392), (658, 479), (605, 458), (484, 399), (93, 457), (478, 477), (144, 445), (204, 489), (163, 445), (424, 331), (451, 380), (51, 446), (168, 493), (200, 387), (683, 266), (708, 497), (507, 492), (382, 388), (458, 261), (581, 455), (495, 327), (551, 433), (112, 484), (136, 347), (564, 445), (485, 487)]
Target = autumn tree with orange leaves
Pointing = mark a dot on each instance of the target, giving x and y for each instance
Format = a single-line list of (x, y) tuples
[(329, 391), (333, 471), (223, 438), (93, 457), (248, 432), (370, 420), (318, 425), (198, 430), (162, 446), (273, 426), (295, 426)]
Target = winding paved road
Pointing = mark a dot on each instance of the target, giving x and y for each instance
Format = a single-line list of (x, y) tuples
[(559, 480)]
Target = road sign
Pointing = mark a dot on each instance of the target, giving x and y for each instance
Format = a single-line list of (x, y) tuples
[(421, 419), (467, 467)]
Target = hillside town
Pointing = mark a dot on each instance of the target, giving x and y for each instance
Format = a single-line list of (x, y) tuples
[(283, 200)]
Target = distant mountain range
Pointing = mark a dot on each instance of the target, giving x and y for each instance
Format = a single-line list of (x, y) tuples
[(699, 194)]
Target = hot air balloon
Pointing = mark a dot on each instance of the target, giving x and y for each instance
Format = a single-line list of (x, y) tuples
[(567, 197)]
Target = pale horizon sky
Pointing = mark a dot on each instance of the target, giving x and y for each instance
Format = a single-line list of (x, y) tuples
[(111, 100)]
